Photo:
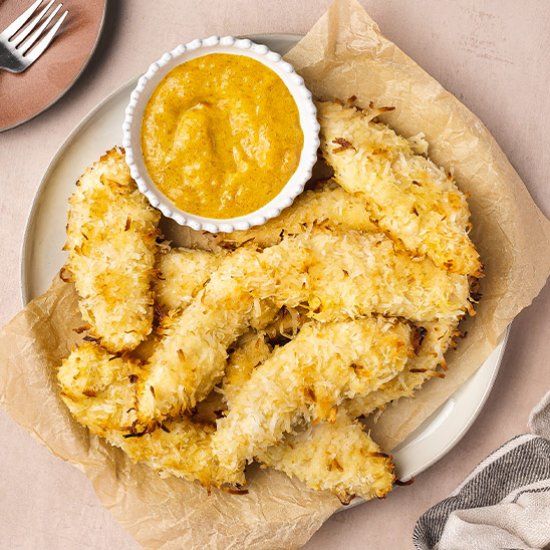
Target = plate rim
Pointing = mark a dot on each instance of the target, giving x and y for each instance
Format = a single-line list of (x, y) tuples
[(31, 217), (500, 346), (72, 82)]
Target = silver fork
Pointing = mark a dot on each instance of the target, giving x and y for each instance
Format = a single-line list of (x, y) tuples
[(18, 50)]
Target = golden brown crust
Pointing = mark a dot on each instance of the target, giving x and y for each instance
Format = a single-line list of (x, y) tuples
[(408, 195), (111, 240)]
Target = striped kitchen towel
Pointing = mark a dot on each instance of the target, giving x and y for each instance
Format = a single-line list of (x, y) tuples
[(503, 504)]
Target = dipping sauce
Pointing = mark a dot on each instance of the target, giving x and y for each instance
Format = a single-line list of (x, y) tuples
[(221, 135)]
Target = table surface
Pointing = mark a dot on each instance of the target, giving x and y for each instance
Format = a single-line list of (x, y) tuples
[(492, 54)]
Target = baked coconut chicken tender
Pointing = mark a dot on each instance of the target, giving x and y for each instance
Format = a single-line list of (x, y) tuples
[(306, 380), (99, 389), (111, 240), (338, 456), (410, 197), (182, 273), (329, 205)]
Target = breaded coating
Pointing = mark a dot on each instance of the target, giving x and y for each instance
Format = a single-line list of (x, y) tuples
[(410, 197), (420, 368), (191, 356), (338, 456), (306, 380), (252, 350), (111, 240), (182, 273), (309, 455), (332, 276), (181, 448), (329, 205), (99, 389), (354, 274)]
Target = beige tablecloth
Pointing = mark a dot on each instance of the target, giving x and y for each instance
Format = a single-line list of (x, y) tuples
[(492, 56)]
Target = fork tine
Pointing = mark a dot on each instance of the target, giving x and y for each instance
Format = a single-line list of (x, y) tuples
[(45, 42), (10, 30), (38, 32), (27, 30)]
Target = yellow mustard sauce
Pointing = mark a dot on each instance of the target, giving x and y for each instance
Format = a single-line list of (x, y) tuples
[(221, 135)]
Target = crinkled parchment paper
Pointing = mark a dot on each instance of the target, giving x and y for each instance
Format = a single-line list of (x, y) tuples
[(343, 55)]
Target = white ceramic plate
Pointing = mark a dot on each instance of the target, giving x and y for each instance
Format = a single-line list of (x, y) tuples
[(42, 258)]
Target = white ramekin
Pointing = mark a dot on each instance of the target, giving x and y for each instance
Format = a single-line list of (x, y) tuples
[(139, 98)]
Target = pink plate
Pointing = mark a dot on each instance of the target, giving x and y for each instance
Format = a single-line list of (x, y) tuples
[(25, 95)]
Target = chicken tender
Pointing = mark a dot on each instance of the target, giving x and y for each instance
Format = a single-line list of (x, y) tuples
[(338, 456), (354, 274), (191, 357), (182, 273), (420, 368), (329, 205), (181, 448), (306, 380), (99, 389), (410, 197), (111, 240)]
